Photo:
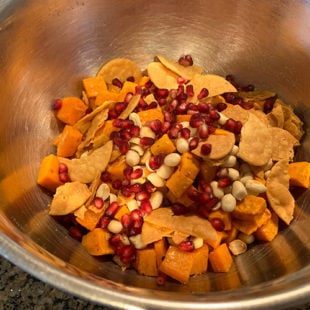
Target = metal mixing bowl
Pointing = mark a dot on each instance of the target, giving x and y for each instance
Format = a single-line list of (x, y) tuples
[(47, 47)]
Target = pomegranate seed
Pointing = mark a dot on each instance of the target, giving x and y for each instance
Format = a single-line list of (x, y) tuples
[(115, 239), (136, 188), (136, 215), (186, 60), (127, 172), (173, 132), (268, 104), (126, 221), (162, 101), (238, 127), (205, 149), (204, 197), (117, 184), (230, 125), (193, 194), (203, 93), (125, 190), (179, 209), (142, 195), (98, 203), (247, 105), (125, 135), (165, 127), (148, 84), (146, 141), (146, 207), (217, 224), (105, 177), (156, 126), (76, 233), (117, 82), (64, 177), (161, 93), (130, 79), (136, 174), (187, 246), (196, 120), (142, 104), (231, 79), (193, 143), (185, 133), (180, 90), (149, 187), (237, 101), (57, 104), (152, 105), (104, 221), (205, 186), (161, 279), (224, 182), (155, 162), (182, 97), (211, 203), (168, 117), (182, 108), (181, 80), (134, 131), (120, 107), (112, 209), (214, 115), (128, 254), (203, 131), (190, 90), (203, 107), (229, 97), (221, 106), (192, 109), (124, 147), (63, 168)]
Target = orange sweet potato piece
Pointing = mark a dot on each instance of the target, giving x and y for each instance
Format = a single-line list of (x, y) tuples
[(299, 173), (184, 199), (106, 95), (189, 165), (90, 219), (116, 169), (183, 118), (146, 262), (143, 80), (48, 176), (232, 234), (160, 248), (177, 264), (163, 145), (222, 215), (68, 141), (151, 114), (269, 230), (178, 183), (215, 243), (103, 134), (94, 85), (220, 259), (207, 170), (72, 109), (121, 211), (200, 257), (97, 243), (128, 87)]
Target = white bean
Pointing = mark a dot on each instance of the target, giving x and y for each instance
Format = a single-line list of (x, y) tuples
[(135, 118), (234, 150), (137, 241), (132, 205), (182, 145), (103, 191), (192, 130), (164, 171), (217, 191), (217, 206), (156, 199), (238, 190), (156, 180), (233, 174), (113, 197), (228, 203), (172, 159), (255, 187), (198, 242), (246, 177), (132, 158), (237, 247), (248, 239), (147, 132), (115, 226), (223, 119), (138, 149), (229, 161)]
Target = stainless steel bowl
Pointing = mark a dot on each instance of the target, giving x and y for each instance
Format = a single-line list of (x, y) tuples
[(47, 47)]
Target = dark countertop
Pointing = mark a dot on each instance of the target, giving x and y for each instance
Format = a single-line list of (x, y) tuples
[(19, 290)]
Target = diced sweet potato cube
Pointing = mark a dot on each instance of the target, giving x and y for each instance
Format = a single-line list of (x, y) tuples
[(106, 95), (177, 264), (249, 207), (178, 183), (97, 243), (269, 230), (222, 215), (215, 243), (103, 135), (151, 114), (183, 118), (72, 109), (48, 176), (146, 262), (200, 257), (68, 141), (163, 145), (184, 199), (220, 259), (121, 211), (128, 87), (250, 226), (94, 85), (143, 80), (189, 165), (207, 171), (232, 234), (116, 169), (299, 173), (90, 219), (160, 248)]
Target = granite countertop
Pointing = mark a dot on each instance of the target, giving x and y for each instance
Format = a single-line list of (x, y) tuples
[(21, 291)]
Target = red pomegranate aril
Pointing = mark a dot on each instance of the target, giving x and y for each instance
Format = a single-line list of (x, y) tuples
[(152, 105), (146, 207), (179, 209), (247, 105), (130, 79), (230, 125), (217, 224), (124, 147), (57, 104), (136, 188), (105, 177), (203, 131), (98, 203), (224, 182), (190, 90), (229, 97), (142, 195), (187, 246), (205, 186), (156, 161), (221, 106), (268, 104), (146, 141), (136, 215), (165, 127), (196, 120), (162, 101), (149, 187), (237, 101), (125, 189), (203, 93), (127, 172), (205, 149), (115, 239), (193, 143), (112, 114), (204, 197), (134, 131), (181, 80), (182, 97), (63, 168), (117, 184), (112, 209), (185, 133), (155, 125), (125, 135), (168, 117), (142, 104), (120, 107), (180, 90), (186, 60), (64, 177), (136, 174), (238, 127), (76, 233), (104, 221), (214, 115), (193, 194), (126, 220), (161, 279), (248, 88), (211, 203), (203, 107), (148, 84), (161, 93), (128, 251), (182, 108), (116, 82), (173, 132)]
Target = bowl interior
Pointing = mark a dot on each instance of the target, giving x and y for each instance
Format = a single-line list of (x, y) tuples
[(47, 48)]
